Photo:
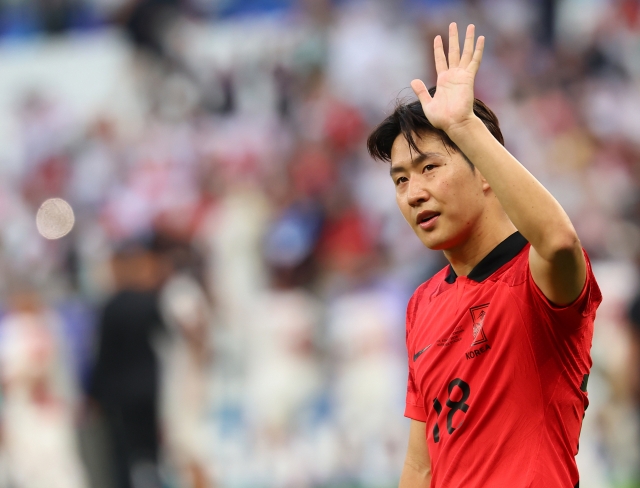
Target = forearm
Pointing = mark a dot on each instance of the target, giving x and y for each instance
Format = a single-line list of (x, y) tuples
[(415, 476), (532, 209), (416, 472)]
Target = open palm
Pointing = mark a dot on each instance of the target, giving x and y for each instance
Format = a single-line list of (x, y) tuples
[(452, 104)]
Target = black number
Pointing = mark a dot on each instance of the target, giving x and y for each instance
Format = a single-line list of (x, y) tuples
[(459, 405), (436, 430)]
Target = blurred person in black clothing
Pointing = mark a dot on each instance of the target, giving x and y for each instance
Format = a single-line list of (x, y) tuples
[(634, 322), (126, 377)]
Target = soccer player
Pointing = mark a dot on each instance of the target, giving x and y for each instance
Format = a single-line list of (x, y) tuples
[(499, 340)]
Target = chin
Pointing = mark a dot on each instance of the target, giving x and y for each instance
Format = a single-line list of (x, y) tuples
[(437, 239), (435, 246), (432, 240)]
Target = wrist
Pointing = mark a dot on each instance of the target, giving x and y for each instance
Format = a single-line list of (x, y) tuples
[(463, 127)]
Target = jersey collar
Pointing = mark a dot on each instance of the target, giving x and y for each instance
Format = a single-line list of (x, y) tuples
[(498, 257)]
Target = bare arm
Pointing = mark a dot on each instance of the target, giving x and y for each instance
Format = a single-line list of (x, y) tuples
[(556, 260), (416, 472)]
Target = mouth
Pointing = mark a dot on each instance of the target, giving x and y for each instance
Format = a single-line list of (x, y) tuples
[(426, 217)]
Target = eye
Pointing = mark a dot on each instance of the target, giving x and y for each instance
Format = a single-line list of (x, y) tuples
[(428, 167), (400, 180)]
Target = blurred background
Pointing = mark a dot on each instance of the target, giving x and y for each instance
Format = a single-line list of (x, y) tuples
[(228, 310)]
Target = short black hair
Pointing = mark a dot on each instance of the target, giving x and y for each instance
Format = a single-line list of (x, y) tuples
[(409, 120)]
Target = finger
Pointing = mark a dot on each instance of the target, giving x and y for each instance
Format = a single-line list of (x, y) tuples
[(467, 51), (454, 46), (438, 54), (421, 92), (474, 65)]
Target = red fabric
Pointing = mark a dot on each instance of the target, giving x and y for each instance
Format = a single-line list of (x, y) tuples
[(345, 240), (510, 398)]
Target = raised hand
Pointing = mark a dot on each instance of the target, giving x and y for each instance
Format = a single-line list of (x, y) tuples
[(452, 105)]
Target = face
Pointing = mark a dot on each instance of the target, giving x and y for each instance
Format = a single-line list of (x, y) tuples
[(439, 194)]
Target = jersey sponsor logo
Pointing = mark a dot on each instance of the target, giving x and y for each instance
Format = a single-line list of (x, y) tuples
[(478, 314), (417, 355)]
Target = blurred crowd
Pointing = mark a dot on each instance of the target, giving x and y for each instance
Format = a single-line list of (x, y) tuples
[(228, 310)]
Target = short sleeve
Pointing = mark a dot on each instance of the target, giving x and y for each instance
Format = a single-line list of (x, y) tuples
[(580, 309), (414, 408)]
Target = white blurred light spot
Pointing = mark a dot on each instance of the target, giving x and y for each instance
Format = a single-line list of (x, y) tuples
[(55, 218)]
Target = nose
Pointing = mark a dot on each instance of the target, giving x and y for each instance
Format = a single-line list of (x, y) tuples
[(416, 192)]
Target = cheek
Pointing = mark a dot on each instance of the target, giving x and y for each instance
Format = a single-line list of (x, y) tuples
[(461, 196), (401, 201)]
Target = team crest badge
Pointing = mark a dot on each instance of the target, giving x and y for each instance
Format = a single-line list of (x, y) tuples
[(478, 315)]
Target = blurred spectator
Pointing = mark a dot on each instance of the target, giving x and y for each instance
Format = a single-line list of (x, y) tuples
[(634, 321), (186, 361), (126, 376), (283, 369), (39, 400), (363, 329)]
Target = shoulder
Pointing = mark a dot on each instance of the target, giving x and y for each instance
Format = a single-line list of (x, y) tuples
[(519, 277)]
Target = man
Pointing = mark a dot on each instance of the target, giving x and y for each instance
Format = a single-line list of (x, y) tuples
[(499, 340), (126, 377)]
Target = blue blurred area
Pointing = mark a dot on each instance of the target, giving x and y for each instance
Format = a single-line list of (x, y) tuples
[(229, 8), (30, 18)]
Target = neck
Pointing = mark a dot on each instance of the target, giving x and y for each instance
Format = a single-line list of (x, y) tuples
[(480, 242)]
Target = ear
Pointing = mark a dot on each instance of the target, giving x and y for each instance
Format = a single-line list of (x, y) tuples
[(485, 184)]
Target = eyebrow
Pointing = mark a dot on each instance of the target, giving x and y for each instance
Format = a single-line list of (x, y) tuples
[(421, 158)]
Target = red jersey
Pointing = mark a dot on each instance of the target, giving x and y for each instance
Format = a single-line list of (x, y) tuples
[(499, 374)]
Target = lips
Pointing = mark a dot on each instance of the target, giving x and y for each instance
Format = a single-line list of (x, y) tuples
[(426, 216)]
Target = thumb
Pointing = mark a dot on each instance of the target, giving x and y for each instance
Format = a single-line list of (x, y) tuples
[(421, 92)]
